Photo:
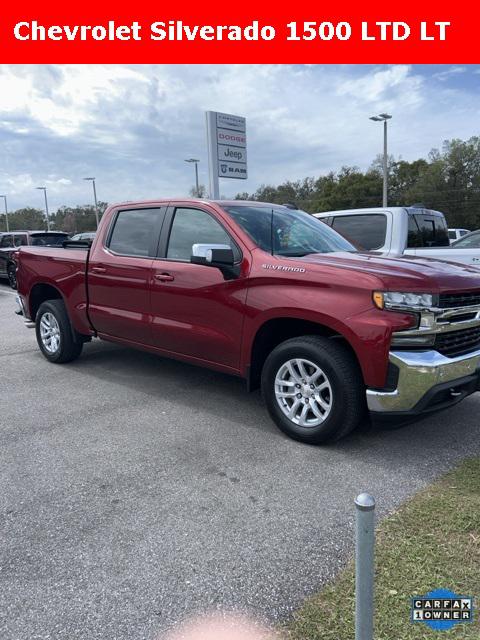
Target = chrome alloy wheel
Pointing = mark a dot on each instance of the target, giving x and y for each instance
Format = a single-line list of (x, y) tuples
[(50, 333), (303, 392)]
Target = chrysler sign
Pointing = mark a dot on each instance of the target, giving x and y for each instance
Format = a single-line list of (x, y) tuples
[(227, 146)]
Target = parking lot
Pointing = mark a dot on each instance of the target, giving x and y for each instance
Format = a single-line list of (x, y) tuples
[(136, 491)]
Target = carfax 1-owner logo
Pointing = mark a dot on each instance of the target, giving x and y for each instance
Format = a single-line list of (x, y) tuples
[(442, 609)]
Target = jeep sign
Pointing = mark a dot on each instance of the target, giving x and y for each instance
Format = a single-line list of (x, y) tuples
[(227, 148)]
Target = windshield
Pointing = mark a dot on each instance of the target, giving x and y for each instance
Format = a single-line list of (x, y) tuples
[(48, 239), (287, 232)]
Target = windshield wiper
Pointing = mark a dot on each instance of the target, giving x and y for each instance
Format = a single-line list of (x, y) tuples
[(297, 254)]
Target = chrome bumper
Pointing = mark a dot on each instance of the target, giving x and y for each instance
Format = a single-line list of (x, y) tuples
[(420, 372)]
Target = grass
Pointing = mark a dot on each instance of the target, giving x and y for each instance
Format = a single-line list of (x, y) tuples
[(432, 541)]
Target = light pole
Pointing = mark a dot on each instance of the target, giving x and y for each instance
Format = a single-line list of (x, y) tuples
[(384, 117), (195, 161), (92, 180), (6, 211), (44, 189)]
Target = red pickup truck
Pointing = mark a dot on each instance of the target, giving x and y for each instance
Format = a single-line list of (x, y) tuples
[(270, 294)]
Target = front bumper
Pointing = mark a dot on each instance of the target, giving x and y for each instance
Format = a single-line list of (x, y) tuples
[(426, 381)]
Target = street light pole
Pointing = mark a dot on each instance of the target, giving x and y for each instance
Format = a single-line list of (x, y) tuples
[(44, 189), (6, 211), (92, 180), (384, 117), (195, 161)]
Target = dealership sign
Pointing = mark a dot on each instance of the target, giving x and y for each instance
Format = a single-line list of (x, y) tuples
[(227, 148)]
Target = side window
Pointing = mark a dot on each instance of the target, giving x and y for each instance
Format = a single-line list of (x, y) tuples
[(365, 231), (414, 236), (20, 240), (433, 231), (7, 241), (133, 232), (192, 226)]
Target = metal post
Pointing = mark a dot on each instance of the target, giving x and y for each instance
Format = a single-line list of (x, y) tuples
[(212, 154), (196, 180), (364, 566), (6, 212), (44, 189), (46, 209), (92, 180), (95, 198), (385, 165)]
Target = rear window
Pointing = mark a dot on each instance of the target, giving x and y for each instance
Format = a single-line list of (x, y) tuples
[(427, 231), (366, 231), (48, 239)]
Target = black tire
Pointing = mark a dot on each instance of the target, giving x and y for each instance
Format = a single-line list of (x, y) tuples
[(68, 348), (12, 275), (345, 390)]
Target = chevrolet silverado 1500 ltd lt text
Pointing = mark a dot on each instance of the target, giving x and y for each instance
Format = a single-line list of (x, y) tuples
[(270, 294)]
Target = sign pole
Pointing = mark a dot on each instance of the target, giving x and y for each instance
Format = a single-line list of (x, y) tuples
[(212, 154)]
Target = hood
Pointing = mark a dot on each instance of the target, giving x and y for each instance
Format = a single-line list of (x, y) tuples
[(404, 273)]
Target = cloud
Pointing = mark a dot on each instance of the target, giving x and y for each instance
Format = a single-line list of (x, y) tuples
[(132, 126), (452, 71)]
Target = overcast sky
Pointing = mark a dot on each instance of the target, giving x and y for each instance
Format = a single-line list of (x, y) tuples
[(132, 126)]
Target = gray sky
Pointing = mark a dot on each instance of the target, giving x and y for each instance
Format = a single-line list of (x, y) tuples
[(132, 126)]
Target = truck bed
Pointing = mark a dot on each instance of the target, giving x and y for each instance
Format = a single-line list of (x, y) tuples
[(43, 266)]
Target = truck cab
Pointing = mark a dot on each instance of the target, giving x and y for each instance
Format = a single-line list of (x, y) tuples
[(398, 231)]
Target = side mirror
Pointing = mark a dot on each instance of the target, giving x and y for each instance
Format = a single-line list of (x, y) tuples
[(213, 254), (216, 255)]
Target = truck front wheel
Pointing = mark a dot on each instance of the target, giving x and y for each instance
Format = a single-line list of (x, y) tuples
[(55, 336), (313, 389)]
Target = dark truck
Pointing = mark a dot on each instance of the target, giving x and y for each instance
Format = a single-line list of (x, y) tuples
[(270, 294), (11, 240)]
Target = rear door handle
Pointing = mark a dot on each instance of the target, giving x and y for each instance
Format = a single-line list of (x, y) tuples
[(164, 277), (98, 270)]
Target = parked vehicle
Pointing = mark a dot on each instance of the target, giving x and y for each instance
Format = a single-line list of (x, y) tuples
[(269, 294), (397, 231), (10, 241), (470, 241), (456, 234), (85, 236)]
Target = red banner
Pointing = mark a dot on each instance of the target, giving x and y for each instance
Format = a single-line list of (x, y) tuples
[(244, 32)]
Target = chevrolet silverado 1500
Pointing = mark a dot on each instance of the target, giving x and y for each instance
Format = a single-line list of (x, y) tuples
[(270, 294)]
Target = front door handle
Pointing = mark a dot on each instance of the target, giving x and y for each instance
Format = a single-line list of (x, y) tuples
[(98, 270), (164, 277)]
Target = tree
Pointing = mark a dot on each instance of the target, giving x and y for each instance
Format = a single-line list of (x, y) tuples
[(202, 191), (27, 218)]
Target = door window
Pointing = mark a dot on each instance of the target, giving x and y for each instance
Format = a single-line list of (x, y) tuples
[(431, 231), (134, 232), (366, 231), (7, 241), (193, 226), (20, 240)]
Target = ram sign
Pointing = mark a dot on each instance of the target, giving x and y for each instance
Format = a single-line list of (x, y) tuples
[(227, 146)]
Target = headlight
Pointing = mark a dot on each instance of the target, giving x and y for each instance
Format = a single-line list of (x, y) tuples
[(407, 301)]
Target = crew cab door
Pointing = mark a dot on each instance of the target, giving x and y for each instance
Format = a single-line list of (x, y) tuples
[(119, 275), (196, 312)]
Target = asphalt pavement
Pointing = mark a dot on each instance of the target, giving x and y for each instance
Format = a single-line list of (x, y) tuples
[(137, 491)]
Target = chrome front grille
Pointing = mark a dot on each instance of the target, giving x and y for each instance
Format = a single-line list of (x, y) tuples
[(465, 299), (456, 343)]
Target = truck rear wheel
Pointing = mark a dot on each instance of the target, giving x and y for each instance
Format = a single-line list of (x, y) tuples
[(313, 389), (55, 335)]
